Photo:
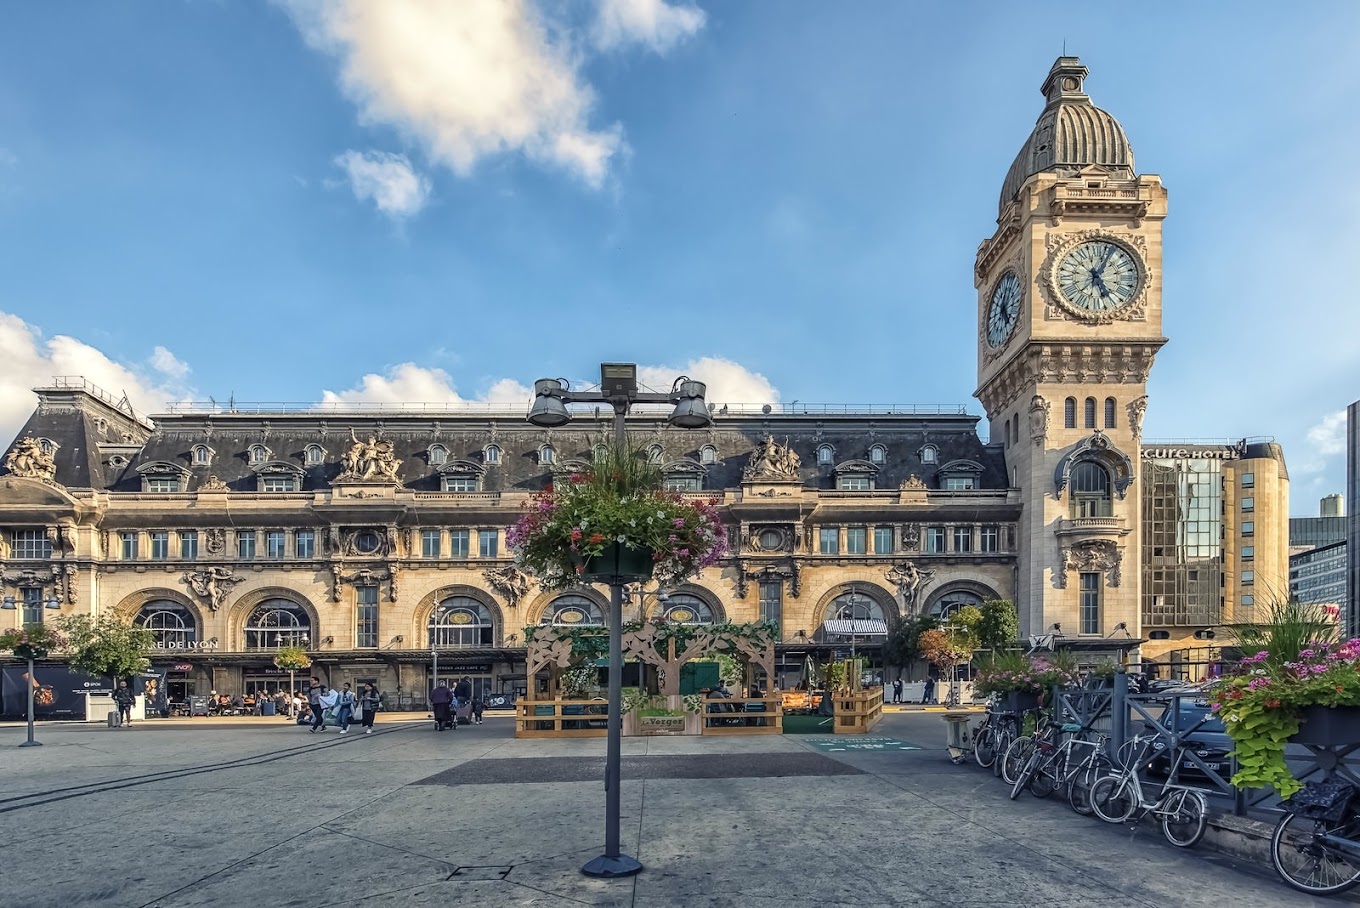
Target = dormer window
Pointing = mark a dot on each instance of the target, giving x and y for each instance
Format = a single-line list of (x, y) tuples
[(460, 482), (547, 456), (162, 477), (313, 456), (708, 454), (492, 454), (438, 454), (826, 455), (930, 454), (878, 454), (47, 446), (960, 476), (655, 455), (200, 455), (855, 476), (258, 454), (461, 476), (682, 476), (278, 476), (118, 461)]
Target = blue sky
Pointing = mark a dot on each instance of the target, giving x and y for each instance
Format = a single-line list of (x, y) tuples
[(285, 201)]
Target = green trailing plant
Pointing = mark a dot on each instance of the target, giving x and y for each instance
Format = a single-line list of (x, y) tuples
[(106, 646), (293, 658), (579, 682), (32, 641)]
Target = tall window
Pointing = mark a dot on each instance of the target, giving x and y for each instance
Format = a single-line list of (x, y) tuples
[(160, 545), (963, 539), (990, 539), (493, 454), (826, 455), (856, 540), (277, 622), (461, 621), (1090, 602), (829, 539), (883, 540), (202, 455), (33, 607), (429, 543), (1090, 411), (258, 454), (188, 544), (31, 544), (708, 454), (487, 543), (772, 602), (438, 454), (930, 454), (878, 454), (128, 544), (366, 621), (655, 455), (1109, 413), (1070, 413), (275, 545), (304, 543), (934, 540), (458, 543), (169, 622), (546, 455), (573, 611), (312, 455), (1091, 496), (245, 545)]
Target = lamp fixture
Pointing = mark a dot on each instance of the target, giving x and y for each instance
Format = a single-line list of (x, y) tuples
[(619, 388), (8, 604), (1056, 627)]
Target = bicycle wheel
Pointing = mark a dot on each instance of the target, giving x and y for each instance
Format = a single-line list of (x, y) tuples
[(1003, 736), (1046, 775), (984, 747), (1079, 785), (1307, 862), (1111, 799), (1184, 814), (1026, 773), (1017, 755)]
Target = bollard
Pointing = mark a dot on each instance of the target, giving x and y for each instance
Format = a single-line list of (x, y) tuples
[(1119, 713)]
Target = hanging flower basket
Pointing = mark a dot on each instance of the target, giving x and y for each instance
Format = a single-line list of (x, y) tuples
[(24, 651), (618, 563), (1328, 726), (32, 641)]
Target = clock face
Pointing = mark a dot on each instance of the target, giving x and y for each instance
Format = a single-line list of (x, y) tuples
[(1098, 276), (1004, 310)]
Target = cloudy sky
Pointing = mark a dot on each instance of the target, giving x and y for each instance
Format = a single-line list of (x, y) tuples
[(432, 201)]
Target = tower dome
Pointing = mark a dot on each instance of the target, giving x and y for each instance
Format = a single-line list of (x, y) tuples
[(1070, 134)]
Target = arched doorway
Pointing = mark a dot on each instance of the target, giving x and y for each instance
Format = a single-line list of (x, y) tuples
[(461, 621), (277, 622)]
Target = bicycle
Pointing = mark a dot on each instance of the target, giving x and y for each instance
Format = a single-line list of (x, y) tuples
[(994, 734), (1315, 847), (1182, 811), (1051, 767)]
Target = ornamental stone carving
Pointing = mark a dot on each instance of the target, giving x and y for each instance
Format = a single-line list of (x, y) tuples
[(1093, 555), (1136, 409), (213, 484), (212, 585), (214, 541), (509, 581), (910, 581), (772, 461), (28, 459), (911, 537), (369, 461), (913, 483), (1039, 410)]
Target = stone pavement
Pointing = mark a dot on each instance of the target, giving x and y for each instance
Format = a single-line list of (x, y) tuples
[(177, 815)]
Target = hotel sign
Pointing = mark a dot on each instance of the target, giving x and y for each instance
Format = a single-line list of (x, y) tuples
[(1197, 452)]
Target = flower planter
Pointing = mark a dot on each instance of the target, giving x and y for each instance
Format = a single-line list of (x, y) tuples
[(1328, 726), (618, 563), (30, 652), (1021, 700)]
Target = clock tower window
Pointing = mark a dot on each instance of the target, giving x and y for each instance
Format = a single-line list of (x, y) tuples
[(1090, 412), (1091, 493), (1070, 413), (1109, 412)]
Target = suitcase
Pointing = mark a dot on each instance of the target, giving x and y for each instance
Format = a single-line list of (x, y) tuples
[(115, 720), (464, 713)]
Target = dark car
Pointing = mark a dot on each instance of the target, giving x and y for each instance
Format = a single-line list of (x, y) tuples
[(1209, 742)]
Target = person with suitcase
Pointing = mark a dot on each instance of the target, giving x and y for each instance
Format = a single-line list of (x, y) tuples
[(123, 698), (440, 698)]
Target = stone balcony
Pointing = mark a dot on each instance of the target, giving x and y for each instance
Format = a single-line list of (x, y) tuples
[(1079, 529)]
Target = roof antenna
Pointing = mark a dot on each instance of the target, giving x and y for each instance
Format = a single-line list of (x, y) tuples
[(1064, 47)]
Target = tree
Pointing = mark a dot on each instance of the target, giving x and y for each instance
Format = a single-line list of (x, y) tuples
[(106, 646), (901, 647), (999, 626)]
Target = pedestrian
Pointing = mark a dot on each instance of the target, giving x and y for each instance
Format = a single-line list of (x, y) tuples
[(314, 692), (123, 698), (344, 707), (371, 701), (897, 691), (478, 704), (440, 698)]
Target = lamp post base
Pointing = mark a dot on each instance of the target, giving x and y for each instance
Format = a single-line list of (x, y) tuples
[(607, 867), (30, 744)]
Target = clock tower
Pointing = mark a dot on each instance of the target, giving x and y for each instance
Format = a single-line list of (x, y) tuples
[(1069, 322)]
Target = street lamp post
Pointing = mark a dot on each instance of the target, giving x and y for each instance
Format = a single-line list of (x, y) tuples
[(434, 655), (619, 389), (9, 604)]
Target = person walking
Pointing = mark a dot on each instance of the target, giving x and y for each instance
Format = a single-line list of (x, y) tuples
[(478, 705), (344, 706), (371, 701), (897, 691), (462, 695), (314, 692), (440, 698), (123, 698)]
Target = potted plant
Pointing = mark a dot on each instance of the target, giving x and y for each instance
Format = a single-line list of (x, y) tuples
[(32, 641), (1299, 685), (615, 522), (1009, 674)]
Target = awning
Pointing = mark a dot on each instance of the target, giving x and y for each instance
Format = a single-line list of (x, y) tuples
[(855, 627)]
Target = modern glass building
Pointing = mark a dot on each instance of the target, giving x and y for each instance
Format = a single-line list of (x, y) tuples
[(1319, 575)]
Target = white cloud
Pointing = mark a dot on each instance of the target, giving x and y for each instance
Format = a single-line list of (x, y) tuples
[(1328, 437), (409, 383), (728, 381), (653, 23), (387, 179), (32, 361)]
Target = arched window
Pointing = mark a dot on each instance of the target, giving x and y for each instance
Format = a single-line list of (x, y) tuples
[(438, 454), (930, 454), (461, 621), (952, 601), (1015, 428), (547, 455), (171, 623), (708, 454), (1070, 413), (492, 454), (573, 611), (1090, 412), (877, 454), (258, 453), (655, 455), (312, 455), (202, 455), (683, 608), (1008, 432), (1091, 495), (277, 622), (855, 606), (1109, 412), (826, 454)]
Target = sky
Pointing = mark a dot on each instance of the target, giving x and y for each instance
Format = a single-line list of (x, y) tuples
[(435, 201)]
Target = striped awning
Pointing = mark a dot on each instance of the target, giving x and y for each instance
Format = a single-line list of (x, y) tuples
[(856, 627)]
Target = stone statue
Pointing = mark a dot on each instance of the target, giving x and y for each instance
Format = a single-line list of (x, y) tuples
[(369, 460), (1136, 409), (28, 459), (1039, 410), (909, 580), (772, 461), (212, 584), (509, 581), (912, 483), (213, 484)]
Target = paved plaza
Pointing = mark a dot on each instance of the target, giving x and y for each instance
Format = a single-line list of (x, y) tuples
[(181, 814)]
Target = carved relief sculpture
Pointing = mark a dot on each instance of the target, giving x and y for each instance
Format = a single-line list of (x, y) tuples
[(913, 483), (772, 461), (911, 537), (214, 541), (509, 581), (71, 597), (1093, 555), (910, 581), (213, 484), (28, 459), (1136, 409), (212, 585), (1039, 410), (368, 461)]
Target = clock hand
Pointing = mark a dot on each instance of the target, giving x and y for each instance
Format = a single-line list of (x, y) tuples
[(1104, 291)]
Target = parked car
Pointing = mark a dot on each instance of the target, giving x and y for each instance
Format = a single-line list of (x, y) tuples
[(1209, 742)]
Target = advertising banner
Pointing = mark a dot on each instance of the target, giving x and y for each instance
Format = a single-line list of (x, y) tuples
[(60, 691)]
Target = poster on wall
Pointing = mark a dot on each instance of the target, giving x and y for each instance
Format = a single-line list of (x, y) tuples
[(59, 692)]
